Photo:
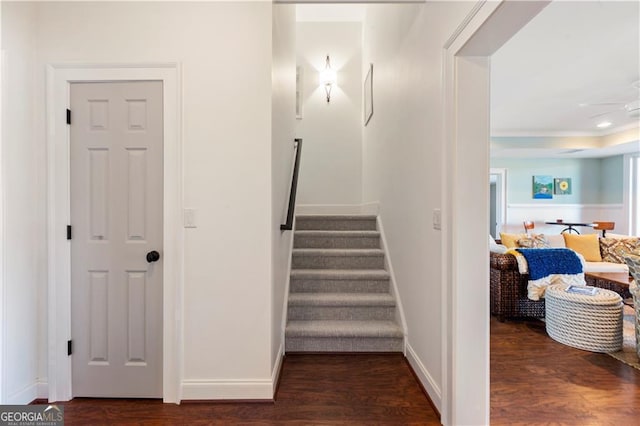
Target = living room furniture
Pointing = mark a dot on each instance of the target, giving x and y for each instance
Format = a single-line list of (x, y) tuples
[(614, 281), (508, 290), (604, 227), (584, 321), (569, 226), (529, 225)]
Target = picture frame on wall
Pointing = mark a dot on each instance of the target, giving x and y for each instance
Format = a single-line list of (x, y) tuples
[(562, 186), (542, 187), (368, 95)]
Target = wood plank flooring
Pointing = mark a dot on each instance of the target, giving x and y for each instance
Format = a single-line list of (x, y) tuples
[(534, 381), (314, 390)]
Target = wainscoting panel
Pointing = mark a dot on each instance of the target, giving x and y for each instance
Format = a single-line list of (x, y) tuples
[(585, 213)]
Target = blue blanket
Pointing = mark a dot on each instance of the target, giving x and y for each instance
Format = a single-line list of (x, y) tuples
[(544, 262)]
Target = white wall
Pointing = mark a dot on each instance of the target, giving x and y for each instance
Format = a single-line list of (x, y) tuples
[(225, 53), (331, 164), (282, 149), (24, 266), (402, 153)]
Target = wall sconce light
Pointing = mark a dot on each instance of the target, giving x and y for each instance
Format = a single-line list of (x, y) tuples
[(328, 79)]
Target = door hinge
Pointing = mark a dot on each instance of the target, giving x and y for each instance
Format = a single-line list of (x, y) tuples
[(68, 116), (68, 232), (69, 347)]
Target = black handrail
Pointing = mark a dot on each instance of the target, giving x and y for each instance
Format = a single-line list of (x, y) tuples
[(294, 188)]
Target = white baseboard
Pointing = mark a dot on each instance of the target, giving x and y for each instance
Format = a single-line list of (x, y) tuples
[(258, 389), (370, 208), (275, 375), (425, 378), (329, 209), (43, 390), (394, 284), (23, 396)]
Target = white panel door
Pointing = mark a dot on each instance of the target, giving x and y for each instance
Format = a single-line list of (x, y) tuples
[(116, 217)]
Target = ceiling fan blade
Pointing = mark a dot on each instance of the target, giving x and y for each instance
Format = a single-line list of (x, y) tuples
[(600, 104), (603, 113)]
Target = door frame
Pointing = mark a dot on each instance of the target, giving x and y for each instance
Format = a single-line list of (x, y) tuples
[(466, 67), (501, 197), (58, 84)]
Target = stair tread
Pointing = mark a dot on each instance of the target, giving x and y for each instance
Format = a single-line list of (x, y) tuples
[(337, 252), (333, 328), (336, 274), (336, 233), (336, 216), (341, 299)]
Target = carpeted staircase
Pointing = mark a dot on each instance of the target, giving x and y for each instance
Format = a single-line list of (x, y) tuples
[(340, 299)]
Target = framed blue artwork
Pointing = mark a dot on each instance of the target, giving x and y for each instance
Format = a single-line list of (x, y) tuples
[(542, 187)]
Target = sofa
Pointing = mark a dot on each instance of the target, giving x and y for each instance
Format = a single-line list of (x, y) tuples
[(508, 287)]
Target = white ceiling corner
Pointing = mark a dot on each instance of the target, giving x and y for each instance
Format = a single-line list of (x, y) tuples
[(571, 53)]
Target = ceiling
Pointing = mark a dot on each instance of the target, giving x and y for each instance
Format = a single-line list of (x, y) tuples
[(571, 54), (546, 79)]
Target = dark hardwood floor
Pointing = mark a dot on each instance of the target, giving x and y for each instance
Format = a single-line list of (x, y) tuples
[(314, 390), (534, 380)]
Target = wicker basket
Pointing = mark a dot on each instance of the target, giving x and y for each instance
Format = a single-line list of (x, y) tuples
[(592, 323)]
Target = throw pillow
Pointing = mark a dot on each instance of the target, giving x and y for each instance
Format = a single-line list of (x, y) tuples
[(614, 249), (534, 241), (495, 247), (587, 245), (556, 241), (511, 240)]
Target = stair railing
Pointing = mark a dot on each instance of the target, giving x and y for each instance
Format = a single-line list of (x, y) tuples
[(288, 226)]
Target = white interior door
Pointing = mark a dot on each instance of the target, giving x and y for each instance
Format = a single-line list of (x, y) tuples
[(116, 217)]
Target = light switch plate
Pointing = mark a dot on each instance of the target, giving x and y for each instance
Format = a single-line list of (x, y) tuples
[(189, 218), (437, 219)]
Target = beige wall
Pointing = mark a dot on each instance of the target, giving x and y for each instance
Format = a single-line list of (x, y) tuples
[(283, 131), (331, 165), (225, 54), (402, 161), (23, 265)]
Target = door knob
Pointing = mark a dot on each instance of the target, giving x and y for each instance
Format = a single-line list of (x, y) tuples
[(153, 256)]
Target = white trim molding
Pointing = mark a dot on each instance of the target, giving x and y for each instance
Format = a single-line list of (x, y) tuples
[(24, 395), (328, 209), (42, 389), (567, 206), (465, 198), (501, 196), (275, 374), (3, 293), (371, 208), (59, 78), (250, 389), (430, 385), (394, 284)]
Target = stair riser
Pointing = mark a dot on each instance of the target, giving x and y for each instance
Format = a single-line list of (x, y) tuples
[(338, 286), (355, 313), (336, 224), (343, 344), (337, 262), (335, 242)]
